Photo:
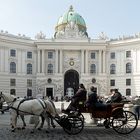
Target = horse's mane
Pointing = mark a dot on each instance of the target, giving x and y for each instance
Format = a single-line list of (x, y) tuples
[(9, 96)]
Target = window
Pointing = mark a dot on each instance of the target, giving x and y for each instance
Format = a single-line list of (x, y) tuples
[(12, 82), (29, 55), (112, 55), (29, 92), (29, 82), (128, 54), (128, 68), (50, 68), (29, 68), (112, 69), (13, 53), (93, 68), (50, 55), (12, 91), (128, 92), (12, 67), (128, 82), (112, 82), (93, 55)]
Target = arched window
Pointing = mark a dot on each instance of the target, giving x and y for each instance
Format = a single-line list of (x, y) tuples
[(12, 67), (128, 92), (128, 68), (92, 68), (112, 69), (50, 68), (29, 68)]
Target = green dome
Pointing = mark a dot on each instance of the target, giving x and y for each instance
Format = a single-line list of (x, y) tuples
[(68, 17)]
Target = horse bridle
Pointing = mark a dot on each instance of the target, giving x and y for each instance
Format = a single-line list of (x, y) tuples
[(9, 103), (1, 97)]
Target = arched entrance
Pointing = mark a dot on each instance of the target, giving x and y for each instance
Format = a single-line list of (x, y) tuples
[(71, 80)]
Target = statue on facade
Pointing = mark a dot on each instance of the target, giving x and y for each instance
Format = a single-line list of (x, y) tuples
[(40, 35), (103, 36)]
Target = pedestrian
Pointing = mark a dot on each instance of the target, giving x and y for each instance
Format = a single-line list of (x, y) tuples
[(136, 107)]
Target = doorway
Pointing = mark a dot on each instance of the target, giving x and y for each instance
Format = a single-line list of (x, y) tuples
[(49, 93), (71, 80)]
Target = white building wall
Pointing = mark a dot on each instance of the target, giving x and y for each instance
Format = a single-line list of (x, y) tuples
[(67, 50), (6, 68), (137, 60), (2, 59), (23, 54)]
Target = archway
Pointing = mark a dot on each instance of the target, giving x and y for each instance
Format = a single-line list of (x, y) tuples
[(71, 80)]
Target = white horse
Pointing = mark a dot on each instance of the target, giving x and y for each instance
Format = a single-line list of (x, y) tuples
[(43, 119), (35, 107)]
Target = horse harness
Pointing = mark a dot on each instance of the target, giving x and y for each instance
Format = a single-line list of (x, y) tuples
[(43, 104)]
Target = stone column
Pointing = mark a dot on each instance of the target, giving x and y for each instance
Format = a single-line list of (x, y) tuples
[(100, 61), (6, 61), (2, 64), (38, 61), (43, 61), (134, 52), (86, 62), (61, 54), (82, 61), (104, 61), (56, 61)]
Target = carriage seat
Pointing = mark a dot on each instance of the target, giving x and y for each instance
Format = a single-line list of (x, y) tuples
[(83, 108)]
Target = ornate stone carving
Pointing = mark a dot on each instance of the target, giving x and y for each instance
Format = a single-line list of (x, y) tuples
[(103, 36), (71, 31), (103, 86), (59, 89), (75, 66), (40, 35)]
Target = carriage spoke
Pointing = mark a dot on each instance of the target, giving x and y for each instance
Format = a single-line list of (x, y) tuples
[(125, 125), (76, 125)]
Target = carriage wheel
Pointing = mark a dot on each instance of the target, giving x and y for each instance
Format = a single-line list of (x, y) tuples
[(80, 115), (76, 123), (126, 124)]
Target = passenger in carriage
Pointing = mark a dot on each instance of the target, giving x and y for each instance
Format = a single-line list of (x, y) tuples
[(93, 101), (116, 97), (79, 96)]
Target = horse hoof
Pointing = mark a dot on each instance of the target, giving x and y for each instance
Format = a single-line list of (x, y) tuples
[(23, 128), (18, 128), (12, 126), (32, 132), (47, 131), (13, 130), (54, 126), (39, 129)]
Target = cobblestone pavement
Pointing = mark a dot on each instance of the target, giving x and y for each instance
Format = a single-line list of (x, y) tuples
[(89, 132)]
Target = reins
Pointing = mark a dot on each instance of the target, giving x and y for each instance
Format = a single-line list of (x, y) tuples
[(10, 105)]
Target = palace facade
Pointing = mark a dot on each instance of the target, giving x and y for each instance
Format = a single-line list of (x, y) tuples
[(29, 67)]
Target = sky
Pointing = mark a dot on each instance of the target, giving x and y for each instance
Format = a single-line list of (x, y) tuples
[(114, 17)]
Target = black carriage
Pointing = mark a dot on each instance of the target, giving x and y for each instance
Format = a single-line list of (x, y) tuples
[(123, 122)]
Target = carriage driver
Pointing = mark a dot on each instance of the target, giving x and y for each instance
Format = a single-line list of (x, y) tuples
[(79, 96)]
